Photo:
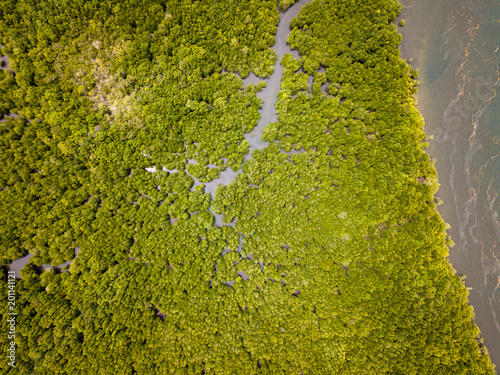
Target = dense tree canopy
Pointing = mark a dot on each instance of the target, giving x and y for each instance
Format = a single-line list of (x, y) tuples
[(337, 259)]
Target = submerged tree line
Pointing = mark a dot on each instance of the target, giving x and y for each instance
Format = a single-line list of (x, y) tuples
[(337, 259)]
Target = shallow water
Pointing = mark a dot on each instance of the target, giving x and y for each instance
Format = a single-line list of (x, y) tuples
[(19, 264), (4, 61), (454, 45)]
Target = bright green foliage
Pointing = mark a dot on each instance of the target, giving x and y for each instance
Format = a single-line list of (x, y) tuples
[(285, 4), (43, 194), (350, 221), (103, 95), (342, 266)]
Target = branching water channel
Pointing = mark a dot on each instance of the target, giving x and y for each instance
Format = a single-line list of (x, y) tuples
[(269, 95)]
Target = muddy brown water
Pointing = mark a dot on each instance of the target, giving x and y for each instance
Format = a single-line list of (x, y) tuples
[(454, 46)]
